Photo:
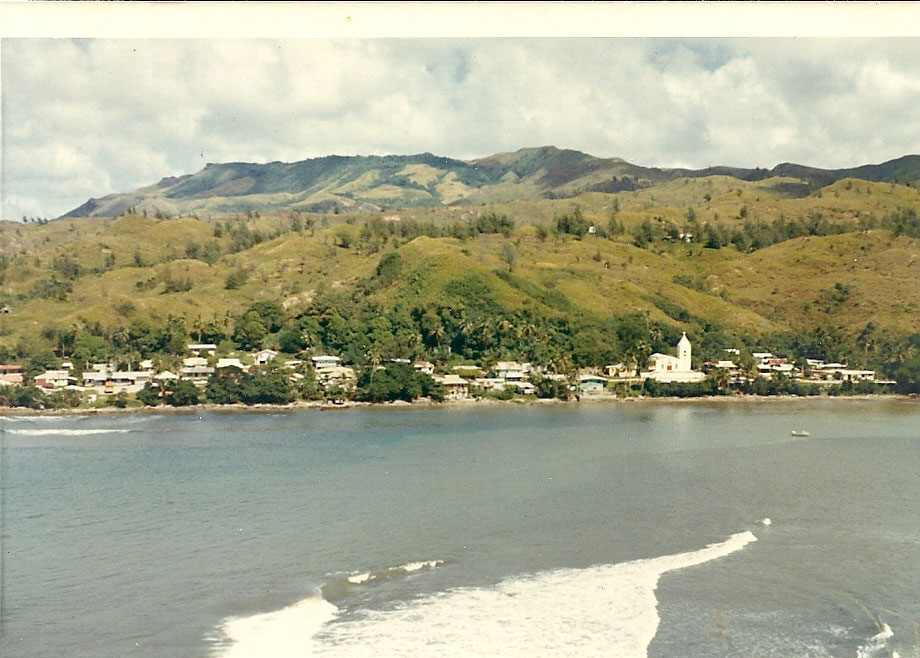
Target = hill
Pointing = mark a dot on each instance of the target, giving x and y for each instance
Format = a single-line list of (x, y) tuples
[(372, 183), (589, 279)]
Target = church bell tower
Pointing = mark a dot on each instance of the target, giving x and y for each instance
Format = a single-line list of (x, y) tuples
[(683, 354)]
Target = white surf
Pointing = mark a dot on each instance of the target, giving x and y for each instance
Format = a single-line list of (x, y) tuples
[(55, 432), (607, 610)]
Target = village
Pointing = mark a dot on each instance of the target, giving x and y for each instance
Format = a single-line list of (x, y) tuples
[(336, 380)]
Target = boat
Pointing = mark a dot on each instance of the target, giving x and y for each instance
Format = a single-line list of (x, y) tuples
[(799, 433)]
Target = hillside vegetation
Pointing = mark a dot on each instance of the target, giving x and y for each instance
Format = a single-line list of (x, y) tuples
[(574, 282)]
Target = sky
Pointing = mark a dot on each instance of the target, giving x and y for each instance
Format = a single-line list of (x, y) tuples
[(84, 118)]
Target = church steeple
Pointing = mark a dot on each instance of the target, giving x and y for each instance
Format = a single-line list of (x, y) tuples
[(683, 354)]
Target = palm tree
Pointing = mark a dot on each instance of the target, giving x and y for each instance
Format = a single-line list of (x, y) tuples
[(373, 360)]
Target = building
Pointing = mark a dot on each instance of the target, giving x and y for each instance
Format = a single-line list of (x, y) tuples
[(509, 371), (208, 348), (198, 375), (425, 367), (230, 363), (668, 369), (618, 370), (10, 374), (194, 361), (53, 379), (264, 356), (455, 387), (324, 361), (591, 383)]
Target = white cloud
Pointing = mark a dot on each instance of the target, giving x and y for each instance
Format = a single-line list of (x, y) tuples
[(86, 118)]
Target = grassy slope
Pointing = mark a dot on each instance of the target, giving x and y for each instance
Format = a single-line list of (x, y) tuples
[(781, 287)]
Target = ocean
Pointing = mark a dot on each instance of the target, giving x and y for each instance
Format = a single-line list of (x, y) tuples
[(659, 529)]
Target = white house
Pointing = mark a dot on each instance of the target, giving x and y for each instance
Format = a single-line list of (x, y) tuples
[(848, 375), (324, 361), (667, 369), (198, 348), (509, 370), (264, 356), (425, 367), (52, 379), (197, 374), (619, 370), (230, 363), (194, 361)]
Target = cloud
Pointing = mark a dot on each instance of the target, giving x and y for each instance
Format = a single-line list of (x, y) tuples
[(85, 118)]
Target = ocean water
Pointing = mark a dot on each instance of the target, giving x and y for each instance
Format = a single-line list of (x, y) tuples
[(667, 530)]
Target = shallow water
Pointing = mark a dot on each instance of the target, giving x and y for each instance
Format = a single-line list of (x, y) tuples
[(565, 530)]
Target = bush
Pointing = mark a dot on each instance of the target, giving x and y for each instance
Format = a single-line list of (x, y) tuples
[(236, 278)]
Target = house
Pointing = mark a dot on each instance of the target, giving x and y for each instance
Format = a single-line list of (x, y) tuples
[(848, 375), (325, 361), (10, 369), (508, 371), (829, 371), (146, 364), (455, 387), (95, 378), (10, 379), (230, 363), (669, 369), (523, 388), (53, 379), (166, 376), (490, 383), (194, 361), (264, 356), (198, 375), (761, 356), (591, 383), (619, 370), (129, 381), (425, 367), (197, 348)]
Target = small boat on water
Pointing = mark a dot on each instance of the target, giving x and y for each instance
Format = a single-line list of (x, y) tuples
[(799, 433)]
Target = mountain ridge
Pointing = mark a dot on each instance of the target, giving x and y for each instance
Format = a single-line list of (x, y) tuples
[(381, 182)]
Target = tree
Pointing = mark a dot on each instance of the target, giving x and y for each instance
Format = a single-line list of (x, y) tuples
[(181, 393), (89, 349), (249, 331), (149, 396), (270, 314)]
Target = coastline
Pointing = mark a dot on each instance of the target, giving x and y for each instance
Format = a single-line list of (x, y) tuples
[(303, 405)]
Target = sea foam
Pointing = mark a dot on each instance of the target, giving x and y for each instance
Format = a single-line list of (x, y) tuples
[(63, 432), (285, 633), (607, 610)]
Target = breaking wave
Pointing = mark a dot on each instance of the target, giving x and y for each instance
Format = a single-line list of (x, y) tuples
[(607, 610), (56, 432)]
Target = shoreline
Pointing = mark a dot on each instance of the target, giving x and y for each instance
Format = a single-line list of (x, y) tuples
[(304, 405)]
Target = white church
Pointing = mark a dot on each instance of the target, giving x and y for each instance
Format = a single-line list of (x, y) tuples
[(666, 369)]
